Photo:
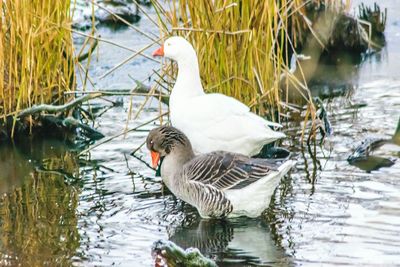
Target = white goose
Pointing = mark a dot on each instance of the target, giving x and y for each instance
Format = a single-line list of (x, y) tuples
[(211, 121), (218, 184)]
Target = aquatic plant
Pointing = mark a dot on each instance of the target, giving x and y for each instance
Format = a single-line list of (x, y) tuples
[(36, 51)]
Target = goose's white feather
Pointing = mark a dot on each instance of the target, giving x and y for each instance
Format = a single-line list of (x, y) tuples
[(252, 200), (212, 121), (217, 122)]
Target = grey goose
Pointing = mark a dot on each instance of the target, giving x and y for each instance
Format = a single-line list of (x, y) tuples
[(219, 184)]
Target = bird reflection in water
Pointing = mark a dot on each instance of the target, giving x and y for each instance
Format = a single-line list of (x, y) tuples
[(231, 242)]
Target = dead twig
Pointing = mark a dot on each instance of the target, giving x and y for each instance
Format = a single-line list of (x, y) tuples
[(57, 108), (121, 92)]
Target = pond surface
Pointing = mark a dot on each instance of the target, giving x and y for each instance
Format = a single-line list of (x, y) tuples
[(107, 208)]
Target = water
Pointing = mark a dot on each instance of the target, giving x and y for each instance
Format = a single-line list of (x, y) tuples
[(107, 208)]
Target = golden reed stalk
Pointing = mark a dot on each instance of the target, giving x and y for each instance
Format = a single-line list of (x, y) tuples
[(243, 46), (36, 52)]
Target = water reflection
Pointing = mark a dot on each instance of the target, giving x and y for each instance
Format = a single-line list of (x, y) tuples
[(37, 206), (230, 242)]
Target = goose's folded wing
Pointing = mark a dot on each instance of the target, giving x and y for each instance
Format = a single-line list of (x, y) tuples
[(223, 119), (227, 170)]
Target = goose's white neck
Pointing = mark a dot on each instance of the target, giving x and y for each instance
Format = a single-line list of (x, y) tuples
[(188, 82)]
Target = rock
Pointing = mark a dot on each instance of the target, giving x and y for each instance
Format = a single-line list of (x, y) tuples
[(362, 158), (129, 13), (364, 149), (82, 19)]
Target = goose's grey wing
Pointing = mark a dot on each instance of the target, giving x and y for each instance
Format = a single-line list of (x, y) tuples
[(225, 170)]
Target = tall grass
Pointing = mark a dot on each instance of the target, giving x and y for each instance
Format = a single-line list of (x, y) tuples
[(243, 47), (36, 53)]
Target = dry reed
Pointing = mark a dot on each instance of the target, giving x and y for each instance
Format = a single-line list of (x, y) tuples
[(36, 49), (243, 47)]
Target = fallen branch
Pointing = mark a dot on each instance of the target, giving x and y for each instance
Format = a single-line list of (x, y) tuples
[(119, 92), (60, 108), (58, 126), (88, 131)]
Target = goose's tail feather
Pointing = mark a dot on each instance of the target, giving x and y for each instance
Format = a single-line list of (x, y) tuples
[(252, 200)]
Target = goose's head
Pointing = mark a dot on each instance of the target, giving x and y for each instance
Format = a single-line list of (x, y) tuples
[(166, 140), (176, 48)]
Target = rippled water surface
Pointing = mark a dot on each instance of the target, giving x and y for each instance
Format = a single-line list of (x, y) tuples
[(107, 208)]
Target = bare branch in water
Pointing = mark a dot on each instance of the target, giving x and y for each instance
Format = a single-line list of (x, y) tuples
[(57, 108)]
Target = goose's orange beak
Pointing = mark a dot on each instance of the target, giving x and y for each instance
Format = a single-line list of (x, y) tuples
[(155, 158), (159, 52)]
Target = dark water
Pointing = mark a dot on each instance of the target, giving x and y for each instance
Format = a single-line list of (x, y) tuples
[(106, 207)]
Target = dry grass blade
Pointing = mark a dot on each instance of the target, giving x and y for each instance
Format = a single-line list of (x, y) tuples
[(251, 41), (106, 140), (154, 39), (128, 59), (224, 34), (115, 44)]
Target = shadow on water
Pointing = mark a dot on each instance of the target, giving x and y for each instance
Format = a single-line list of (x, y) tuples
[(38, 220)]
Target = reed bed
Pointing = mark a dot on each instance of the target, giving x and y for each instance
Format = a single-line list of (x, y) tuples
[(244, 47), (36, 49)]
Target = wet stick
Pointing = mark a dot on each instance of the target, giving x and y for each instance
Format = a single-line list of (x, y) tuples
[(54, 108)]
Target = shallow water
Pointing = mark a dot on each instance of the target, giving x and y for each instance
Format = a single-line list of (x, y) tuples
[(107, 208)]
